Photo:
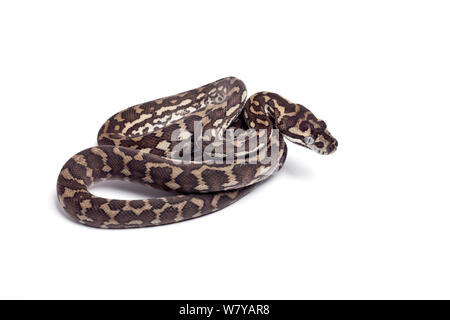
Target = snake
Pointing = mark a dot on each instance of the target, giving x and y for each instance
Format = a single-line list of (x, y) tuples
[(155, 143)]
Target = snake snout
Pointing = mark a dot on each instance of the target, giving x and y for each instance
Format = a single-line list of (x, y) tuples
[(332, 147)]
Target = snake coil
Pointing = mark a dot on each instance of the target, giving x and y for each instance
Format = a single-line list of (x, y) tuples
[(139, 143)]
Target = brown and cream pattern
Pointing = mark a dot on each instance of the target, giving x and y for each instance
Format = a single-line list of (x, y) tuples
[(136, 144)]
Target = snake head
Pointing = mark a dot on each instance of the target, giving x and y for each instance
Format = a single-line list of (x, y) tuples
[(311, 133), (296, 123)]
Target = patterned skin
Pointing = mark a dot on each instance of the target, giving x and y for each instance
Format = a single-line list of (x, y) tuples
[(137, 145)]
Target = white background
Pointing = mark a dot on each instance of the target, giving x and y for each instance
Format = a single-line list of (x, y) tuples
[(370, 221)]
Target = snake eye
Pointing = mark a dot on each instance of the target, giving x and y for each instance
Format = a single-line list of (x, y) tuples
[(309, 140)]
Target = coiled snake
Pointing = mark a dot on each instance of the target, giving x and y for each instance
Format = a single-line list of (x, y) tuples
[(139, 143)]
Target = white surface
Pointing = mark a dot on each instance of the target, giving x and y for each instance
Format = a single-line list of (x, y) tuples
[(370, 221)]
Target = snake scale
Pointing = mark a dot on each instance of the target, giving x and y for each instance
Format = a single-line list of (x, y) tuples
[(138, 145)]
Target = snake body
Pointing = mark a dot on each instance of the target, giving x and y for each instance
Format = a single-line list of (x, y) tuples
[(138, 144)]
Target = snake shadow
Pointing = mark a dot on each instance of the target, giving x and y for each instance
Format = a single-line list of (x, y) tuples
[(292, 170)]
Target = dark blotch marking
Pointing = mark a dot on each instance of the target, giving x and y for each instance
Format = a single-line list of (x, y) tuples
[(215, 179)]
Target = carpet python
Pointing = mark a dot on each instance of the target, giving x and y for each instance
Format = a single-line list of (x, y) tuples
[(155, 143)]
